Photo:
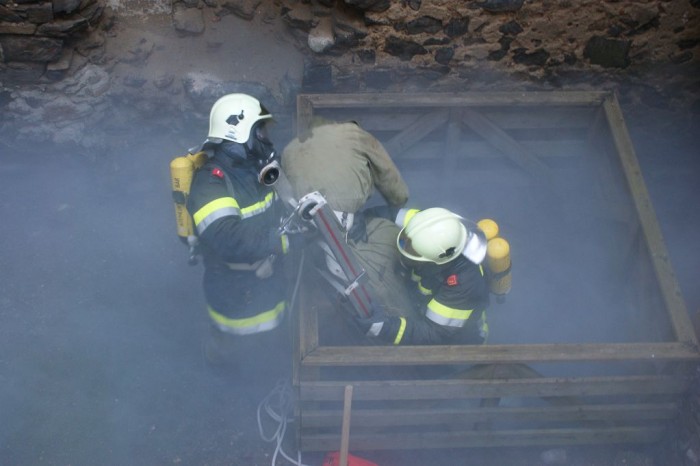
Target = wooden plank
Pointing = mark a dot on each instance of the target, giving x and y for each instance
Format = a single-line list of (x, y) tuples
[(454, 416), (451, 389), (431, 150), (416, 131), (463, 354), (456, 99), (305, 113), (482, 439), (537, 118), (308, 317), (450, 148), (391, 119), (659, 254), (345, 429), (511, 148)]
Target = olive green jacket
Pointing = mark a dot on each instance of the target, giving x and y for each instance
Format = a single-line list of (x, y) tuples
[(344, 163)]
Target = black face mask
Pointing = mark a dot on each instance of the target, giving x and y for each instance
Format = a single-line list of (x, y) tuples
[(259, 146)]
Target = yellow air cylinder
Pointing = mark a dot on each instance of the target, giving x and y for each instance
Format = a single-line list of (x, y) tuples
[(498, 261), (181, 172), (489, 227)]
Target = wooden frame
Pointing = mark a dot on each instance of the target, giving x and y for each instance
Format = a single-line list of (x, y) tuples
[(636, 389)]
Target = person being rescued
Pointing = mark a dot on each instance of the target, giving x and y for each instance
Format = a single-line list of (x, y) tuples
[(345, 163)]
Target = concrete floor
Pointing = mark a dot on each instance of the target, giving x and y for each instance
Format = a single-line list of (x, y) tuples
[(102, 320)]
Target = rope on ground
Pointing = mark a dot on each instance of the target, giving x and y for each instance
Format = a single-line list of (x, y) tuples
[(278, 405)]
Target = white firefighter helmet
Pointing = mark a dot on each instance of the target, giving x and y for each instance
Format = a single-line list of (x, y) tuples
[(233, 116), (440, 236)]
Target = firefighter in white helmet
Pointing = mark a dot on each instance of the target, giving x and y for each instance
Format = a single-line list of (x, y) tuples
[(236, 216), (444, 253)]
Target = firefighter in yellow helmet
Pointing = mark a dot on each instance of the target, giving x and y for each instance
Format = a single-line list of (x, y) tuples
[(236, 217), (444, 253)]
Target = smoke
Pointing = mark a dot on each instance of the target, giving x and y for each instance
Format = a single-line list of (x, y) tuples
[(103, 320)]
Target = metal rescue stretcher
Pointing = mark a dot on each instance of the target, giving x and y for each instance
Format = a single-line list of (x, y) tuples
[(313, 208)]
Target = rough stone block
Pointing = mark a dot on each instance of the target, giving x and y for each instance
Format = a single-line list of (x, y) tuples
[(65, 6), (424, 24), (370, 5), (63, 28), (38, 14), (21, 72), (537, 58), (17, 28), (456, 27), (8, 15), (321, 37), (444, 55), (501, 6), (188, 20), (608, 53), (242, 8), (317, 77), (31, 49), (403, 49)]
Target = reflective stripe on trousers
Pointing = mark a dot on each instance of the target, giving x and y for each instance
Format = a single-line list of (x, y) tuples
[(262, 322)]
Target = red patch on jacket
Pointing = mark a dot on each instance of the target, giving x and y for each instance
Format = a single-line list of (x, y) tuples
[(217, 173), (452, 280)]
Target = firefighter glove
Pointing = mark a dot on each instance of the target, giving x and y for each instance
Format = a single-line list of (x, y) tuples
[(371, 325)]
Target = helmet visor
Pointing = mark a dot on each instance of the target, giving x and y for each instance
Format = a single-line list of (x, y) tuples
[(261, 132), (403, 242)]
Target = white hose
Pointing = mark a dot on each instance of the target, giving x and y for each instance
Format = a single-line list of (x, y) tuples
[(279, 403), (278, 406)]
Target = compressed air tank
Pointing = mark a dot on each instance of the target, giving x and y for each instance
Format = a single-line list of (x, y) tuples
[(497, 258), (181, 172)]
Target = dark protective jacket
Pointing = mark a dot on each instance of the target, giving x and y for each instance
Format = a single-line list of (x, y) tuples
[(457, 295), (236, 220)]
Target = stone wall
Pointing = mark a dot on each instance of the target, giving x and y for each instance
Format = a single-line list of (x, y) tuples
[(39, 38), (56, 80), (444, 43)]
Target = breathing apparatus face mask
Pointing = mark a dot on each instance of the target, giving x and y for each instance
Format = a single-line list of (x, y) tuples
[(261, 150)]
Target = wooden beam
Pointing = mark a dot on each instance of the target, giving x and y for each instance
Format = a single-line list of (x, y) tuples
[(454, 389), (416, 131), (456, 99), (494, 354), (455, 416), (516, 118), (482, 439), (450, 151), (511, 148), (305, 113), (670, 289)]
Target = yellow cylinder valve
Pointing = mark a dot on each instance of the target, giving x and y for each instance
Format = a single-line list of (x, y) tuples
[(489, 227)]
